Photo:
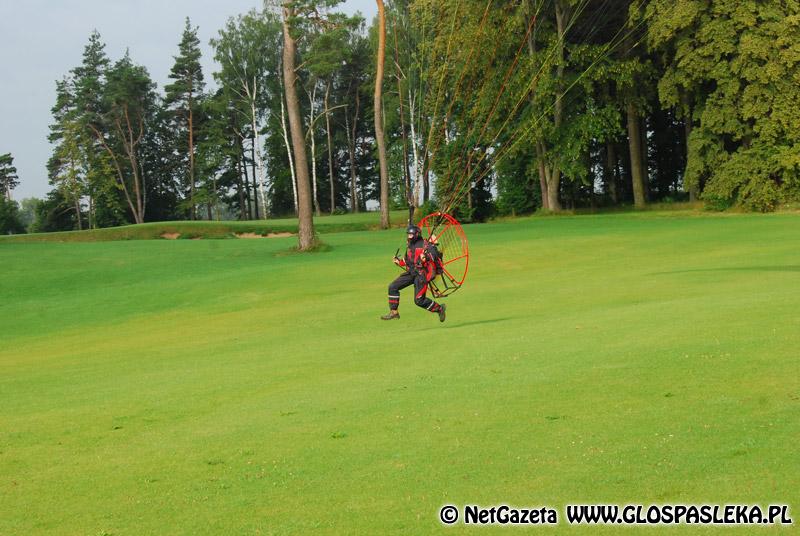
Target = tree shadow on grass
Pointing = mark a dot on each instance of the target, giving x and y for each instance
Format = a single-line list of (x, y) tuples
[(453, 325), (789, 268)]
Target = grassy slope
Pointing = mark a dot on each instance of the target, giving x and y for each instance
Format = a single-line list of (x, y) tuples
[(211, 229), (210, 387)]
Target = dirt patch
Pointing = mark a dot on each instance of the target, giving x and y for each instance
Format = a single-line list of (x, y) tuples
[(170, 236), (269, 235), (248, 235)]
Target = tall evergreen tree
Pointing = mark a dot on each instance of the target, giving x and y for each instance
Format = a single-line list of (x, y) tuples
[(8, 175), (86, 107), (184, 96), (130, 102)]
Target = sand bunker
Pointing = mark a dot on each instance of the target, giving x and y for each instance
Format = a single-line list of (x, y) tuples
[(256, 235)]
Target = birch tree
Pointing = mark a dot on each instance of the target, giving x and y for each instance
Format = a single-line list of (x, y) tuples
[(246, 50)]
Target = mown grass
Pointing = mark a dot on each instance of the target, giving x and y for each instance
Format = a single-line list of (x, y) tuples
[(223, 387)]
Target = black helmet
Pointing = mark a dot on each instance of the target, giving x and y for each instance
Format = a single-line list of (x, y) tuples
[(413, 232)]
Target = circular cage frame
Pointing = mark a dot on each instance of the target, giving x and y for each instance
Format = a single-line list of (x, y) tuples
[(446, 283)]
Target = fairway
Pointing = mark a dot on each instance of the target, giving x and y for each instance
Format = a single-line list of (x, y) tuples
[(235, 387)]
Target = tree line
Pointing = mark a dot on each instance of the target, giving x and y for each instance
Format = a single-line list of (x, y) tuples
[(478, 107)]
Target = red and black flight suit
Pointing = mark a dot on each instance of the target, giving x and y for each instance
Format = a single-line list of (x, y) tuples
[(419, 271)]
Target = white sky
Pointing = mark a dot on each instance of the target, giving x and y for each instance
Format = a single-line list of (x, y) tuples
[(41, 41)]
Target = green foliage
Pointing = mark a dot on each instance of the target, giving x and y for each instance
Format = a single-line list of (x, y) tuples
[(737, 64), (89, 79), (713, 85), (328, 46), (27, 211), (518, 190), (128, 92), (248, 50), (428, 207), (8, 175), (54, 213), (10, 220), (186, 72)]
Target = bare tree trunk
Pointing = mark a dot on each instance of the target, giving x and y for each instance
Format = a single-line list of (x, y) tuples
[(213, 198), (553, 184), (553, 176), (611, 172), (130, 143), (240, 189), (257, 160), (406, 167), (330, 148), (687, 126), (645, 158), (243, 160), (255, 187), (136, 189), (635, 152), (414, 148), (693, 189), (312, 97), (542, 175), (426, 185), (379, 139), (120, 174), (634, 144), (191, 153), (351, 147), (305, 235), (362, 194), (78, 213), (552, 181), (289, 153), (539, 147)]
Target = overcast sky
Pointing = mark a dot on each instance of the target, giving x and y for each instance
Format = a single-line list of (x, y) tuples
[(41, 41)]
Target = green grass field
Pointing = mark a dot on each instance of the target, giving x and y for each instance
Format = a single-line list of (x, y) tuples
[(232, 387)]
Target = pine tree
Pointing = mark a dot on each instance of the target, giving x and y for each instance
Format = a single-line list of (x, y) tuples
[(377, 108), (184, 96), (305, 233), (8, 175), (83, 103), (129, 102)]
